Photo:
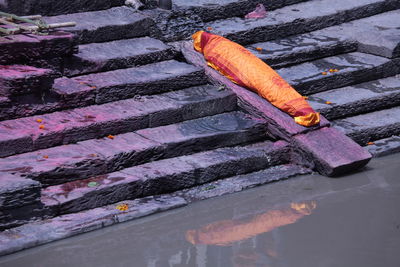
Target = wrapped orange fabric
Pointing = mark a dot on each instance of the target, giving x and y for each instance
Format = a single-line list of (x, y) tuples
[(247, 70)]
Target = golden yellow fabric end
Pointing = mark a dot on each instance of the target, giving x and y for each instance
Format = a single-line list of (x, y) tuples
[(308, 120), (197, 41)]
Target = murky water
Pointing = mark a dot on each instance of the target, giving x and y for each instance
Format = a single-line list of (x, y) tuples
[(309, 221)]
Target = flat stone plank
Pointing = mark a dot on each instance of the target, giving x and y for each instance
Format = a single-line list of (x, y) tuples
[(22, 79), (301, 48), (105, 25), (100, 57), (242, 182), (330, 152), (162, 176), (384, 147), (210, 10), (48, 7), (24, 134), (353, 68), (279, 124), (124, 83), (42, 232), (371, 126), (23, 48), (360, 98), (299, 18)]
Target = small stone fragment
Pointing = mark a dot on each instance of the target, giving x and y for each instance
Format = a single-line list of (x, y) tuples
[(209, 28), (92, 184)]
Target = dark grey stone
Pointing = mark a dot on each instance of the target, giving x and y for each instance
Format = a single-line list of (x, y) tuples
[(299, 18), (105, 25), (163, 176), (385, 146), (353, 68), (99, 57), (371, 126), (356, 99), (49, 230), (49, 7)]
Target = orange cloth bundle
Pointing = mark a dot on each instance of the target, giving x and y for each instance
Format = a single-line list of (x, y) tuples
[(247, 70)]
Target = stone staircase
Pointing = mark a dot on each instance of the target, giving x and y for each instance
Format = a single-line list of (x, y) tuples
[(128, 121)]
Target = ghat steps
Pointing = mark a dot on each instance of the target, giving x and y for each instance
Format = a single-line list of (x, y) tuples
[(132, 125)]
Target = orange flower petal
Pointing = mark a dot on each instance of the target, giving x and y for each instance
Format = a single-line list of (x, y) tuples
[(39, 120), (259, 48), (209, 28), (331, 70), (324, 73), (370, 143), (93, 155), (335, 70), (41, 127), (45, 157), (110, 136), (328, 102), (122, 207)]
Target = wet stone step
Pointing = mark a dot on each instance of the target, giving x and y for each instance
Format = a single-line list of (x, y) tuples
[(64, 127), (352, 68), (209, 10), (124, 83), (301, 48), (299, 18), (384, 147), (356, 99), (98, 156), (371, 126), (163, 176), (100, 57), (22, 79), (105, 25)]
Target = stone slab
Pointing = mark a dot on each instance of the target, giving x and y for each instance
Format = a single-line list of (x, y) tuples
[(330, 152), (100, 57), (371, 126), (301, 48), (98, 156), (124, 83), (353, 68), (41, 232), (24, 134), (209, 10), (24, 48), (384, 147), (299, 18), (105, 25), (279, 124), (360, 98), (241, 182), (48, 7), (163, 176), (22, 79)]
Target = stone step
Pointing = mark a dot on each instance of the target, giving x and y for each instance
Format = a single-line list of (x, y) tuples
[(100, 57), (372, 126), (63, 164), (22, 79), (46, 7), (209, 10), (105, 25), (124, 83), (361, 98), (301, 48), (64, 127), (163, 176), (67, 225), (25, 48), (384, 147), (312, 77), (20, 200), (299, 18)]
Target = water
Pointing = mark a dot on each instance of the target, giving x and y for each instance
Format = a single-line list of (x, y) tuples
[(309, 221)]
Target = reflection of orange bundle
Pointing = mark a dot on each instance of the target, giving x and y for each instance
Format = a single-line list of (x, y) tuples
[(226, 232), (247, 70)]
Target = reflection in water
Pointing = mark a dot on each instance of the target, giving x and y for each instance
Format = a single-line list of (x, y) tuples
[(224, 233)]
